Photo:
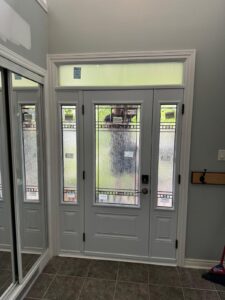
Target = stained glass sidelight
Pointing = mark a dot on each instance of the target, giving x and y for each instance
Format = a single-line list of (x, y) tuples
[(165, 192), (69, 151), (117, 132), (29, 133)]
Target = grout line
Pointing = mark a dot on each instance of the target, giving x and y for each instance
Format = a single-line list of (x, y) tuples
[(49, 285), (199, 289), (32, 298), (180, 283), (85, 280), (117, 275), (89, 266)]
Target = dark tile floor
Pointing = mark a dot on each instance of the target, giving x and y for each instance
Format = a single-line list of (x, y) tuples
[(6, 277), (28, 260), (5, 271), (83, 279)]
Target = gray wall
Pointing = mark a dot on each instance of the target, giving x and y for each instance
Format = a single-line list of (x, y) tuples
[(130, 25), (37, 18)]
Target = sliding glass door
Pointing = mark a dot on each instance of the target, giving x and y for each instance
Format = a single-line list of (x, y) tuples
[(7, 253), (23, 216), (28, 160)]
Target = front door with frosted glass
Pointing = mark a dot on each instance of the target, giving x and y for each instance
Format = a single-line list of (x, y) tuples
[(119, 171), (118, 126)]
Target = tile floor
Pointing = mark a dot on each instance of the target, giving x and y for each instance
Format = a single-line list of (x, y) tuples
[(83, 279), (6, 277), (5, 271), (28, 260)]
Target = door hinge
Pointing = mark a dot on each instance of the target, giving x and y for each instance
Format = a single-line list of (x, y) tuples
[(176, 244), (83, 109), (83, 175), (84, 237), (182, 110), (179, 179)]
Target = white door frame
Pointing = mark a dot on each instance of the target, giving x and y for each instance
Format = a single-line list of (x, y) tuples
[(186, 56)]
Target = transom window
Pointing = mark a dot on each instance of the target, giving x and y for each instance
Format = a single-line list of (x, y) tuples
[(136, 74)]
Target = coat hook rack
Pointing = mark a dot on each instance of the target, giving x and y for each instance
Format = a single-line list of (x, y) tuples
[(202, 177), (205, 177)]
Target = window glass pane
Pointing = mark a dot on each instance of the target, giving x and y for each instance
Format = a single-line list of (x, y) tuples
[(29, 133), (69, 149), (117, 154), (167, 73), (20, 81), (165, 192)]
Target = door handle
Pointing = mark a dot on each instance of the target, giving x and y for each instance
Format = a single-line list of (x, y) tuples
[(144, 191)]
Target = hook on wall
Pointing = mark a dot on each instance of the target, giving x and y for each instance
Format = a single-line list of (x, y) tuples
[(202, 177)]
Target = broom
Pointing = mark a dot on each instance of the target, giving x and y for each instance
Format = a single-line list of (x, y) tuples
[(217, 273)]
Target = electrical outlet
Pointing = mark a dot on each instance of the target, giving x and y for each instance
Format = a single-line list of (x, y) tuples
[(221, 154)]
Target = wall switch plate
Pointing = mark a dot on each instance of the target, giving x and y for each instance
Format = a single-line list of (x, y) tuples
[(221, 154)]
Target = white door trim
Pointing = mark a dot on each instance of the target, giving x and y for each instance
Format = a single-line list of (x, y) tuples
[(188, 57)]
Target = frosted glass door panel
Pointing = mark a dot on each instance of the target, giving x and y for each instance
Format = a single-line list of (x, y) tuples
[(117, 154), (168, 115), (30, 152), (69, 151)]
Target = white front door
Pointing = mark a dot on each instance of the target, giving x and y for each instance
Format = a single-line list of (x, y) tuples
[(117, 126), (127, 144)]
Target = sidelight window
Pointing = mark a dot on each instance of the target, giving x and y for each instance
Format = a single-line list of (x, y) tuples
[(166, 162), (30, 152), (69, 152)]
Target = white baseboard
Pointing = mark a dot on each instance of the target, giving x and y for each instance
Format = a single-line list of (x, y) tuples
[(122, 258), (199, 263), (188, 262)]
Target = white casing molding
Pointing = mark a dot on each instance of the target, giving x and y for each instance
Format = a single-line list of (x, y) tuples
[(188, 57)]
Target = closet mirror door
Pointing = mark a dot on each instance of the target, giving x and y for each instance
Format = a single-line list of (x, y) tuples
[(26, 98), (6, 247)]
